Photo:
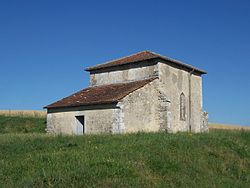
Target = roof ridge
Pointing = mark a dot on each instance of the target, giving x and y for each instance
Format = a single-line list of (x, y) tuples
[(165, 57), (141, 56), (120, 58)]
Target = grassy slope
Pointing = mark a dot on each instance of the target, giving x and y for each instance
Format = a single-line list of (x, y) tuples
[(22, 124), (217, 159)]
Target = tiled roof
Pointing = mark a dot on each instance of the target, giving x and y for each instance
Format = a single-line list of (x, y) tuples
[(105, 94), (141, 56)]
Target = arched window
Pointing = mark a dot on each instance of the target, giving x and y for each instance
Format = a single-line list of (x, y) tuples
[(182, 107)]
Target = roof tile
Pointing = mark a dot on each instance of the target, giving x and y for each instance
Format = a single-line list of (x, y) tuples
[(105, 94), (141, 56)]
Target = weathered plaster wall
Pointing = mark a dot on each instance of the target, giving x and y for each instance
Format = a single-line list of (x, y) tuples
[(173, 82), (141, 109), (196, 103), (133, 72), (96, 120)]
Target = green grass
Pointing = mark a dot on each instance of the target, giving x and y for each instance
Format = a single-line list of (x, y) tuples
[(217, 159), (22, 124)]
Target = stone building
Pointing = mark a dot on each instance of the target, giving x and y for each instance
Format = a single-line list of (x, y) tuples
[(142, 92)]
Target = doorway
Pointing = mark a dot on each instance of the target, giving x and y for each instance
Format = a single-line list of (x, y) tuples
[(80, 125)]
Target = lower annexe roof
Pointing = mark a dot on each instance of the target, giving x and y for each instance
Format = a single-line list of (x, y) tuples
[(105, 94)]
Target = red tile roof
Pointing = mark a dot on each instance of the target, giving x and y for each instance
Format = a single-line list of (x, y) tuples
[(141, 56), (105, 94)]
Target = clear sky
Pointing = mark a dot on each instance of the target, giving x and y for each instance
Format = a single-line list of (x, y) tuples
[(45, 46)]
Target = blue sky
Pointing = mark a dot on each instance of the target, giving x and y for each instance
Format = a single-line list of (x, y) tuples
[(45, 46)]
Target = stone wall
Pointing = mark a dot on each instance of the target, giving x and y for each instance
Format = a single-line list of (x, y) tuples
[(133, 72), (164, 113), (141, 109), (97, 120), (196, 103), (204, 122), (172, 83)]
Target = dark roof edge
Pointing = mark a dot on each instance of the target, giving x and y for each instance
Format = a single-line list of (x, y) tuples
[(89, 69), (96, 67), (72, 106), (181, 64)]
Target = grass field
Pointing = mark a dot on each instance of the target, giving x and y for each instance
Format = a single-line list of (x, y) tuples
[(218, 159), (22, 124)]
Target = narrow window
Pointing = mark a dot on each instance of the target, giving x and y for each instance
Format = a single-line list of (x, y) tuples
[(182, 107)]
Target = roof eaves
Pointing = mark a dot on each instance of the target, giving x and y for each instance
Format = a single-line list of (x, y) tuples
[(184, 65), (105, 65), (79, 105), (179, 63), (95, 67)]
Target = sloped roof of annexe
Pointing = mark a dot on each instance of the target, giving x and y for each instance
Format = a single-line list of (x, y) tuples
[(142, 56), (105, 94)]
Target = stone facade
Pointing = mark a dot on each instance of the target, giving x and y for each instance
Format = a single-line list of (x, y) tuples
[(125, 73), (172, 102), (172, 83), (140, 109), (97, 120)]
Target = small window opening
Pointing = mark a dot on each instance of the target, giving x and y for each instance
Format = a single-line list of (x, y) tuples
[(182, 107)]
